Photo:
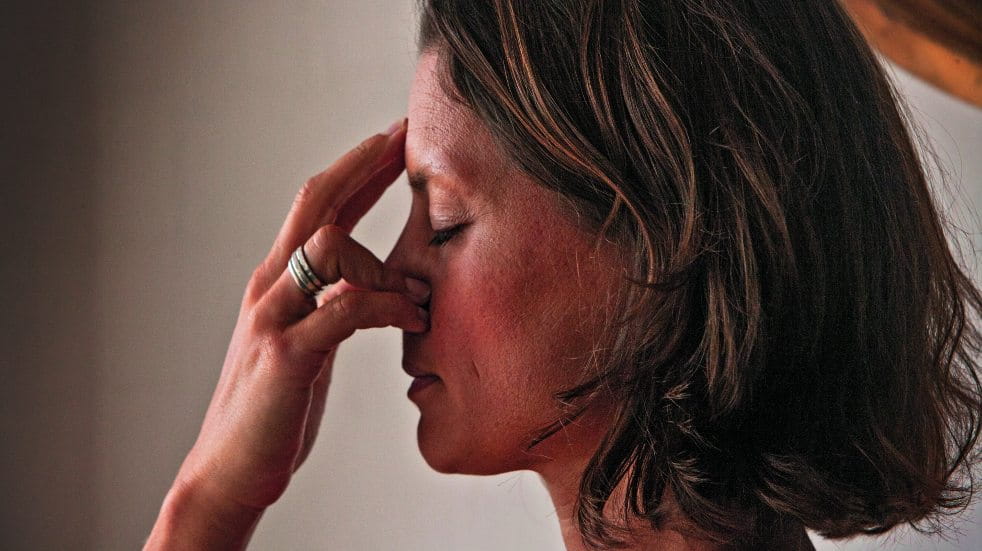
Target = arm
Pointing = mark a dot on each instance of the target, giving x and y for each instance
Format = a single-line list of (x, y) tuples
[(189, 519), (264, 413)]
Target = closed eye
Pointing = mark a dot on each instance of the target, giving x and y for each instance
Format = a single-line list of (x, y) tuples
[(440, 237)]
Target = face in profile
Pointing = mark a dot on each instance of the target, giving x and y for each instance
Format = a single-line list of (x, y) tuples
[(516, 295)]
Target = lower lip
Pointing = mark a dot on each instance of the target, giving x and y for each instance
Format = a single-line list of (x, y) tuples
[(419, 383)]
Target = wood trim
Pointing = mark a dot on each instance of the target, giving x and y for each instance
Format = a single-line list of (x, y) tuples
[(940, 41)]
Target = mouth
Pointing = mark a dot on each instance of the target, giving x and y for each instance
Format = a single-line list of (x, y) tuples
[(415, 371), (421, 379), (419, 383)]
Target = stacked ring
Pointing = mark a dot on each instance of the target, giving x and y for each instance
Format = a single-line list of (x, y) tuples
[(303, 275)]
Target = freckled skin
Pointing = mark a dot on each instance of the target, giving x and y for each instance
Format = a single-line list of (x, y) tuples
[(515, 298)]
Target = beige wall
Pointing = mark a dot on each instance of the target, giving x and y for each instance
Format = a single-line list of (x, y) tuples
[(151, 151)]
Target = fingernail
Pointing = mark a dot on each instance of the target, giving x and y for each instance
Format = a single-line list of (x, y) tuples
[(419, 290), (396, 126), (423, 314)]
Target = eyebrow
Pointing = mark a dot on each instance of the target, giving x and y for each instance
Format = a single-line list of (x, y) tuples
[(423, 177), (418, 180)]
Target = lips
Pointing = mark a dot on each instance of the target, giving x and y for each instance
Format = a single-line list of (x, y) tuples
[(414, 371), (421, 379), (419, 383)]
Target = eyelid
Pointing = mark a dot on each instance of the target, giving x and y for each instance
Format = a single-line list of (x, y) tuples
[(440, 237), (449, 218), (448, 223)]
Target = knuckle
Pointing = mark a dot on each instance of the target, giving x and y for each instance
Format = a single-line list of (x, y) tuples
[(327, 238), (257, 319), (306, 190), (259, 282), (253, 290), (361, 150), (348, 305), (274, 348), (254, 322), (323, 251), (258, 273)]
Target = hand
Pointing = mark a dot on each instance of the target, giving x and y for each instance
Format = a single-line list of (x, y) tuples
[(266, 409)]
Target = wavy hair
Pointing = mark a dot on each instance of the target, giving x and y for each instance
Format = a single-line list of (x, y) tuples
[(797, 343)]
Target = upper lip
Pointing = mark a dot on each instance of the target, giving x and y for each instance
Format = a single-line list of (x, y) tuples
[(414, 371)]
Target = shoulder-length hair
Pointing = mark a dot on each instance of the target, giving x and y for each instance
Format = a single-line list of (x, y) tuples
[(797, 341)]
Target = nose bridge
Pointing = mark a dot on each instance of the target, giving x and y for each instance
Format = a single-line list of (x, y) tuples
[(396, 257), (403, 257)]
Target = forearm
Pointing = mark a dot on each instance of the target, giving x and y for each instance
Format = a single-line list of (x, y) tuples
[(190, 520)]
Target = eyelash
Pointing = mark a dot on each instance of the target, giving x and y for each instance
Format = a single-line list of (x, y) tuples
[(442, 236)]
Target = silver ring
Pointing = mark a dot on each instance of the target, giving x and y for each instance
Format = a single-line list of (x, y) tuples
[(303, 275)]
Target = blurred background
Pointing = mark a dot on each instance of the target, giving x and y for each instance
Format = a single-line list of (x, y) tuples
[(150, 151)]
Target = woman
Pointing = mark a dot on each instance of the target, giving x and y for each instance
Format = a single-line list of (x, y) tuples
[(678, 258)]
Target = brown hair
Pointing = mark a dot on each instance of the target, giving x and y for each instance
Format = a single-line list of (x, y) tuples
[(797, 342)]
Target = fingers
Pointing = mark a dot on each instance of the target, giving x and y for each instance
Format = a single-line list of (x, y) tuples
[(334, 290), (333, 255), (330, 324), (362, 200), (325, 195)]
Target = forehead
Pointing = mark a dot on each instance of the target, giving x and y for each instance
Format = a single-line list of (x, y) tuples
[(445, 140)]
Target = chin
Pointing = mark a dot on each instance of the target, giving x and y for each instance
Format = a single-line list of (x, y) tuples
[(449, 454), (438, 450)]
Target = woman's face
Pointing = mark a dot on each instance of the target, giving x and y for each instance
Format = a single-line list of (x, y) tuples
[(516, 294)]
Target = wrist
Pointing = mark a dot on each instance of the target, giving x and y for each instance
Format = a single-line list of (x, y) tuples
[(192, 518)]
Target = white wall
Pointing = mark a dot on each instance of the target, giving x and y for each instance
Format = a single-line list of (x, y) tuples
[(187, 128)]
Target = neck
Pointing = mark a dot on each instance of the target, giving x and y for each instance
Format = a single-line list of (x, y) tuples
[(567, 455), (562, 484)]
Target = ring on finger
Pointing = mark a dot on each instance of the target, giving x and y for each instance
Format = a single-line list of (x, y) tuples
[(303, 274)]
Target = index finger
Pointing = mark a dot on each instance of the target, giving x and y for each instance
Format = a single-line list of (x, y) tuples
[(323, 196), (359, 203)]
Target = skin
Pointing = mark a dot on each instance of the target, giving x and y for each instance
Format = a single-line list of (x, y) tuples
[(500, 316), (266, 409), (516, 291), (517, 302)]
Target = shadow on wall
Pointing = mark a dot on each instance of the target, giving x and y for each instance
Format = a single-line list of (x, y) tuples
[(47, 373)]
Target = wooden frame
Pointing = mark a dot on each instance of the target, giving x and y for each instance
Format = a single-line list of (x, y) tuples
[(940, 41)]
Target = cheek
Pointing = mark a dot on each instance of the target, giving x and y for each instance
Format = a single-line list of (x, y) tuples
[(478, 312), (509, 327), (502, 323)]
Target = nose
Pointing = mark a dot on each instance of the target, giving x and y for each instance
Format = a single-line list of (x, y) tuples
[(406, 255)]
